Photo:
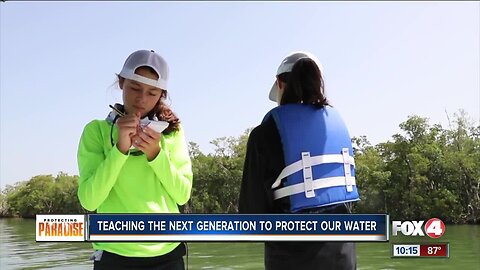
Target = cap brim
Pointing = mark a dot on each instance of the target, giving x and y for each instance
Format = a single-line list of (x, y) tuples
[(273, 92), (131, 75)]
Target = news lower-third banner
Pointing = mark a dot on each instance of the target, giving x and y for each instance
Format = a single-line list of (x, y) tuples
[(212, 227)]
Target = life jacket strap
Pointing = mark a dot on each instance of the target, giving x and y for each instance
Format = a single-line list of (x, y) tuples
[(315, 160), (316, 184), (346, 168)]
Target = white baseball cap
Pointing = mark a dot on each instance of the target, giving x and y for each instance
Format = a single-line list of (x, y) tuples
[(147, 58), (286, 66)]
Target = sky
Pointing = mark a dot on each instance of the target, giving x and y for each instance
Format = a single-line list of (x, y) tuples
[(383, 61)]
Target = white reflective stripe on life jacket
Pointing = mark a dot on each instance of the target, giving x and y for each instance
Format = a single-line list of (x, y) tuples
[(315, 160), (317, 184)]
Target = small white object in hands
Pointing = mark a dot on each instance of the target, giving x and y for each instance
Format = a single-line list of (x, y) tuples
[(157, 126)]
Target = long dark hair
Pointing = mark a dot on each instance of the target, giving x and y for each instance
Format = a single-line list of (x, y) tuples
[(304, 84), (163, 112)]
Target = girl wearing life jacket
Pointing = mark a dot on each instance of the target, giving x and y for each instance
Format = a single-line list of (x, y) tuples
[(127, 167), (300, 160)]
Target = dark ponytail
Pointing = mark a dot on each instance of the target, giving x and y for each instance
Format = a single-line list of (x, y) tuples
[(304, 84), (163, 112)]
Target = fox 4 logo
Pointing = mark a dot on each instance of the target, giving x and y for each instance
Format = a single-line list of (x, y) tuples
[(434, 228)]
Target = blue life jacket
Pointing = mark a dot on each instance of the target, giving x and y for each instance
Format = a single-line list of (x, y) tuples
[(317, 149)]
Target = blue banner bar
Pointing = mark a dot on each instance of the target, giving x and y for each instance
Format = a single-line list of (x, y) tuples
[(237, 227)]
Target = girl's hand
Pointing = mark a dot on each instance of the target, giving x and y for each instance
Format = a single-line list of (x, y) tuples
[(127, 128), (148, 141)]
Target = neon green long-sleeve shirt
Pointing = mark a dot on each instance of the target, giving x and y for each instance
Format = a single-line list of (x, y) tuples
[(111, 182)]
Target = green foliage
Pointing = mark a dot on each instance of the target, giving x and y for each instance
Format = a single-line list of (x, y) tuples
[(373, 178), (427, 171), (217, 176), (43, 194)]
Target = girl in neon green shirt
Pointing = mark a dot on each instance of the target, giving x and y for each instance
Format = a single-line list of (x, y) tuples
[(125, 168)]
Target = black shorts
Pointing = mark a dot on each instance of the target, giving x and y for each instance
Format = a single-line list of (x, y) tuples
[(171, 261), (313, 255)]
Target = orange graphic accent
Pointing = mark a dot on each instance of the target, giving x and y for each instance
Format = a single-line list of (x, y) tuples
[(60, 229)]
